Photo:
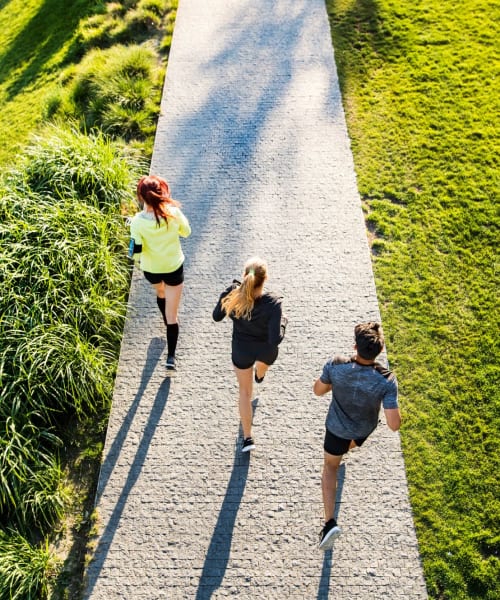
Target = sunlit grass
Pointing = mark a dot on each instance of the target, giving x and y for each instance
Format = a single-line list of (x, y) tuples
[(418, 83), (60, 33), (116, 90), (25, 569)]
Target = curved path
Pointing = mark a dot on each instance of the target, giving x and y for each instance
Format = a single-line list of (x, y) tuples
[(252, 137)]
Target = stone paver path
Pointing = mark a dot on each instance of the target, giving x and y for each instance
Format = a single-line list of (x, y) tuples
[(252, 138)]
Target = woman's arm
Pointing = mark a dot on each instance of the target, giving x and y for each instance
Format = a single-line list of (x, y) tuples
[(277, 325), (219, 313), (184, 226)]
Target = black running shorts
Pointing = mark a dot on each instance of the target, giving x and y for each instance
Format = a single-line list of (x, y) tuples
[(337, 446), (244, 354), (173, 279)]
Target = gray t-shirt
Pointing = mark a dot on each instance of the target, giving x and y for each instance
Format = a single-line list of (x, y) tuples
[(357, 393)]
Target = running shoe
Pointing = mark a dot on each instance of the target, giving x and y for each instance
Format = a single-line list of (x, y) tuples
[(171, 366), (248, 444), (329, 534), (258, 379)]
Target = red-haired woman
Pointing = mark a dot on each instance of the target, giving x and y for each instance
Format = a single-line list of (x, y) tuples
[(155, 245), (258, 328)]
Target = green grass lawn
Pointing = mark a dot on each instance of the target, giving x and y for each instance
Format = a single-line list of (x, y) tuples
[(39, 38), (421, 99)]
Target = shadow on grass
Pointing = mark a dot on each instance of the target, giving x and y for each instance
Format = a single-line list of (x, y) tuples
[(47, 32), (358, 28)]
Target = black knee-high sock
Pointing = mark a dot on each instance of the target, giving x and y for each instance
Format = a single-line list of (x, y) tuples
[(161, 305), (172, 335)]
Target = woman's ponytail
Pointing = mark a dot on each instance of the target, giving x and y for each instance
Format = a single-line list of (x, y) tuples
[(240, 302)]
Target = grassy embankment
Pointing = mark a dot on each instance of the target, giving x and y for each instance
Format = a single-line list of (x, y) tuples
[(421, 100), (86, 77)]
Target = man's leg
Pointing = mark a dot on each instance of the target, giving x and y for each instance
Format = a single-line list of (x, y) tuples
[(331, 530), (331, 465)]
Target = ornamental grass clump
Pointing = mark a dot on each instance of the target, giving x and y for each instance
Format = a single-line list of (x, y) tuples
[(122, 22), (32, 493), (25, 569), (116, 90), (64, 163), (63, 273), (65, 280)]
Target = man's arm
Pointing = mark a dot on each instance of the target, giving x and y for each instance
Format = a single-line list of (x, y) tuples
[(320, 388), (393, 418)]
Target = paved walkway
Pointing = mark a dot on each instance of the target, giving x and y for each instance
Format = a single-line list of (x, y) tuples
[(253, 139)]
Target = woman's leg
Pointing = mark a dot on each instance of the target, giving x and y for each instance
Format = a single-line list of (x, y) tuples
[(266, 358), (244, 377), (160, 299), (260, 369), (173, 295)]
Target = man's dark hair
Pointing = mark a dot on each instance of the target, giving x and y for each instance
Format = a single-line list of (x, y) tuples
[(369, 340)]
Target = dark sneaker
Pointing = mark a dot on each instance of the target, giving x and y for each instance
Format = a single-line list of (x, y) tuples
[(248, 444), (258, 379), (171, 366), (329, 534)]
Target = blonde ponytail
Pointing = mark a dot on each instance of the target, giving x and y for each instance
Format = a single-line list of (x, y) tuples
[(239, 302)]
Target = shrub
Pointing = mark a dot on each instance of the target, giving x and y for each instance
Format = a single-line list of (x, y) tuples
[(120, 78), (64, 283), (63, 273), (64, 163), (142, 21)]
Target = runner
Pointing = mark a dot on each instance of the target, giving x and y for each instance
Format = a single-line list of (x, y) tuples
[(258, 329), (156, 248), (359, 386)]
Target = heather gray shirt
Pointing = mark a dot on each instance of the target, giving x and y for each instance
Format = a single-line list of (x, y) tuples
[(358, 391)]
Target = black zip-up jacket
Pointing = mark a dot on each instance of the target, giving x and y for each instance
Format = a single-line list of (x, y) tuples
[(266, 324)]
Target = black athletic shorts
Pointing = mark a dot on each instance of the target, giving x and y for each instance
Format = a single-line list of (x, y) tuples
[(338, 446), (244, 354), (174, 278)]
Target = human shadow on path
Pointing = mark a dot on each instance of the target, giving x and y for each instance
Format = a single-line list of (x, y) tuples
[(220, 545), (155, 349), (107, 535), (324, 582)]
